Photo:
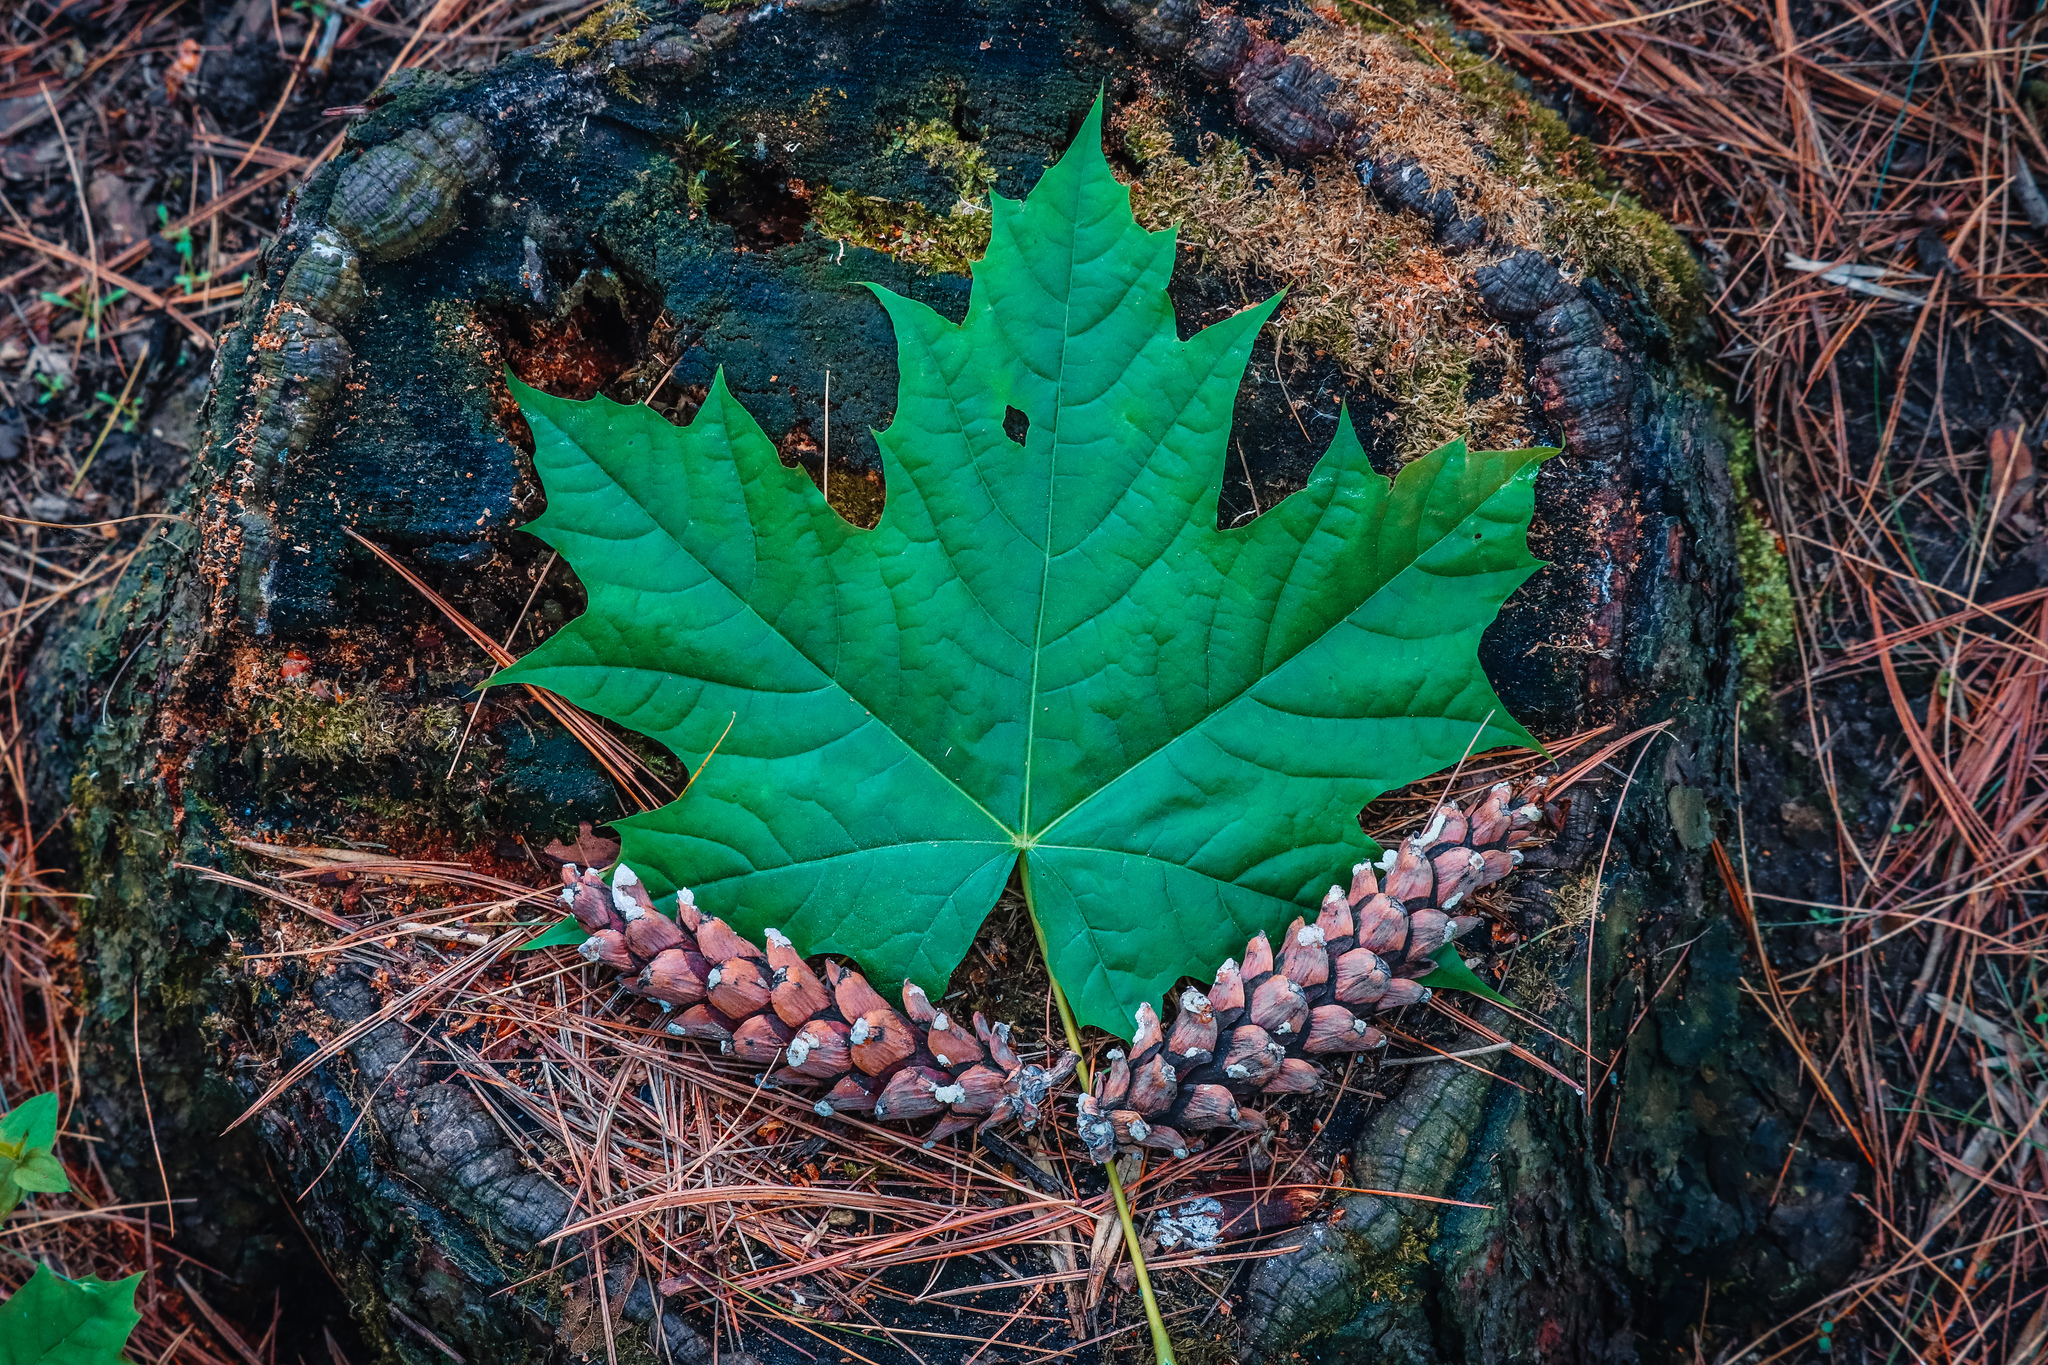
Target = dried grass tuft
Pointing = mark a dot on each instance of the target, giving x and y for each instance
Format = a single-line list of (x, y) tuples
[(1367, 285)]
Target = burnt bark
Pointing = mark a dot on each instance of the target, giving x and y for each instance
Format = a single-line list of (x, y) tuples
[(554, 219)]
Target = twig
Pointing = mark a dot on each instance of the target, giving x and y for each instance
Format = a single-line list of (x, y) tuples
[(98, 272), (120, 404)]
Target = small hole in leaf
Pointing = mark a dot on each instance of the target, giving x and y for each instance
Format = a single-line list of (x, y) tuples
[(1016, 425)]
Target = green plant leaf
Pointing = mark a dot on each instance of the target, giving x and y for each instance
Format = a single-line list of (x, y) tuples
[(564, 933), (42, 1173), (55, 1321), (31, 1126), (1046, 652), (1452, 974)]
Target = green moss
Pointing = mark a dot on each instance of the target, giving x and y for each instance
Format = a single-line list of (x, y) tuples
[(1147, 141), (385, 808), (413, 90), (1388, 16), (1390, 1277), (1187, 194), (710, 156), (943, 149), (1524, 127), (1606, 229), (908, 231), (1615, 236), (619, 22), (1764, 623), (331, 730), (1430, 398), (441, 725)]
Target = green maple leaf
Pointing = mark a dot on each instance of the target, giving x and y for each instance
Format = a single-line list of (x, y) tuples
[(52, 1320), (42, 1173), (1045, 651)]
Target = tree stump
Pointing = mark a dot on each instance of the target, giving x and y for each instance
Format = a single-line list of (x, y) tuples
[(663, 193)]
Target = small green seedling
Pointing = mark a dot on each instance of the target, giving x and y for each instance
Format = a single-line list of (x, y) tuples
[(129, 414), (93, 310), (187, 278), (53, 1320), (28, 1158)]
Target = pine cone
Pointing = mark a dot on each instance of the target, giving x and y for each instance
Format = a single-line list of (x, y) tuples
[(770, 1007), (1253, 1033), (1250, 1035)]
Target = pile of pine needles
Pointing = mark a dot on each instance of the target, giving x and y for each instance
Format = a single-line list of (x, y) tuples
[(89, 1231), (1857, 180), (738, 1203), (828, 1235)]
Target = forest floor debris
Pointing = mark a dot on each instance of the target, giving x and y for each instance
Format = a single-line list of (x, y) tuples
[(738, 1202), (1857, 182), (1859, 189)]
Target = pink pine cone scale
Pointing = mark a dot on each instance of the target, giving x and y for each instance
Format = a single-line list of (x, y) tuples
[(1254, 1032)]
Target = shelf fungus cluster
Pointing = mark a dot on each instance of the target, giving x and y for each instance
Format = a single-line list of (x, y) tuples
[(769, 1007), (405, 194), (1254, 1032), (396, 199)]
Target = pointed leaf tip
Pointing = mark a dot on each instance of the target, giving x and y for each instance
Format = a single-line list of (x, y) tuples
[(1451, 974), (32, 1124), (52, 1320)]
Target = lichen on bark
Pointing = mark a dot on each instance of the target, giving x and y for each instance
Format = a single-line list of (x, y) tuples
[(1765, 625)]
